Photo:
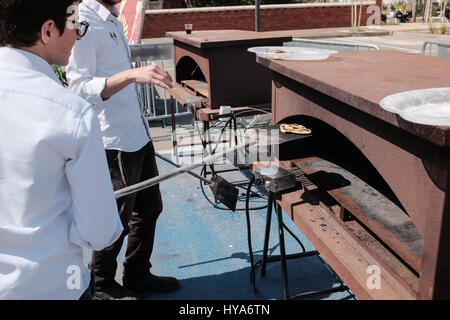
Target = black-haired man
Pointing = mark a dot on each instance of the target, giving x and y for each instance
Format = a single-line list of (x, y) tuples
[(100, 71), (55, 190)]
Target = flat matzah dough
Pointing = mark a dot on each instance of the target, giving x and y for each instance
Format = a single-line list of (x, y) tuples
[(276, 51), (294, 128)]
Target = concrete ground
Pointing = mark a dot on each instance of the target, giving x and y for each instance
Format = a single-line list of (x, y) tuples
[(206, 248), (405, 41), (402, 37)]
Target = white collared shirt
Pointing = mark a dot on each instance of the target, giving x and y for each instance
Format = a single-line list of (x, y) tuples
[(56, 194), (101, 53)]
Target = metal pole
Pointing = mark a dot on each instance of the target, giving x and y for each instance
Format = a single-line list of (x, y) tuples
[(257, 15), (282, 250), (178, 166), (151, 182), (174, 128), (266, 235)]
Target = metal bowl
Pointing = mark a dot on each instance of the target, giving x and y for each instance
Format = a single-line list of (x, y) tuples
[(426, 106), (292, 53)]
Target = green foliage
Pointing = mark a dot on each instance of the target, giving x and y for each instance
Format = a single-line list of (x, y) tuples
[(435, 9), (401, 5), (444, 28), (432, 28), (420, 9)]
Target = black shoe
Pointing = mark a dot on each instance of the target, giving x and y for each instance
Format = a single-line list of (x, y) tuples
[(114, 291), (151, 283)]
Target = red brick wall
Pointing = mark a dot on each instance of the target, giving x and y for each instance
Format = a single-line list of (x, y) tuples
[(159, 22)]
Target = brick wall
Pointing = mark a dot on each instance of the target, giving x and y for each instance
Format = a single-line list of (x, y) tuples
[(273, 17)]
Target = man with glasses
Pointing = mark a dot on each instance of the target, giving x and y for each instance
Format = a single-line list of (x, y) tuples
[(80, 27), (55, 189), (100, 71)]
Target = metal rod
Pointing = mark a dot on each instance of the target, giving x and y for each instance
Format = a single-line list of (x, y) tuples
[(204, 140), (223, 170), (151, 182), (279, 213), (274, 258), (235, 139), (249, 237), (152, 89), (178, 166), (230, 133), (266, 236), (165, 116), (208, 128), (257, 15), (436, 42), (148, 99), (174, 128), (336, 43), (319, 293), (165, 93)]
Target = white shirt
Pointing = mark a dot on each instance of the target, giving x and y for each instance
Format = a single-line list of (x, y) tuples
[(55, 190), (101, 53)]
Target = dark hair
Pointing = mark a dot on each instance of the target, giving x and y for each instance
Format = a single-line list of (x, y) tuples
[(21, 20)]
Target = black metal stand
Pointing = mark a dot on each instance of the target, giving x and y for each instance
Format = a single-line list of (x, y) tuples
[(206, 141), (283, 257)]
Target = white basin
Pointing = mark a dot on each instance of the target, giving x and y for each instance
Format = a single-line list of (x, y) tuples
[(427, 106), (292, 53)]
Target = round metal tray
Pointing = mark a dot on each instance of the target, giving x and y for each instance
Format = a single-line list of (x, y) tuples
[(426, 106), (292, 53)]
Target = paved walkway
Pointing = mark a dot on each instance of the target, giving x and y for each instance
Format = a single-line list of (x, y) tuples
[(207, 249), (417, 27), (407, 37)]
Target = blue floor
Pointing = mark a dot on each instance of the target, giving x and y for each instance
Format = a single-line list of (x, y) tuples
[(206, 249)]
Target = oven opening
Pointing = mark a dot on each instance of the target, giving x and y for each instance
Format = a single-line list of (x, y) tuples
[(337, 163), (191, 77), (329, 144)]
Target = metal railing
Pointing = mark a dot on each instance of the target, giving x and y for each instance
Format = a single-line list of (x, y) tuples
[(443, 48), (156, 101), (332, 45), (154, 4)]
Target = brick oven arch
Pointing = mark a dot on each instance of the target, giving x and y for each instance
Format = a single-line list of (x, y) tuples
[(331, 157), (189, 69)]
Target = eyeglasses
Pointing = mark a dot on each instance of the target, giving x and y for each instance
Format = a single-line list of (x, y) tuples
[(80, 27)]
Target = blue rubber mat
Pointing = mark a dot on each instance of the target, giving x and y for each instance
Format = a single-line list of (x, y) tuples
[(206, 249)]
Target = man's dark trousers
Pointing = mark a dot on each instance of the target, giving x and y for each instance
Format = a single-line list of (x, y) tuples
[(138, 213)]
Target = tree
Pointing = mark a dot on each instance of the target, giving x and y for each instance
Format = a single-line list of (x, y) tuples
[(414, 10), (189, 3), (428, 8)]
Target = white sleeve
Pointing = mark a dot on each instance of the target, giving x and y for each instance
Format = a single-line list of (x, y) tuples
[(81, 70), (96, 223)]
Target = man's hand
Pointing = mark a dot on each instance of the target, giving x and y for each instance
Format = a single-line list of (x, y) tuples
[(152, 74), (144, 75)]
